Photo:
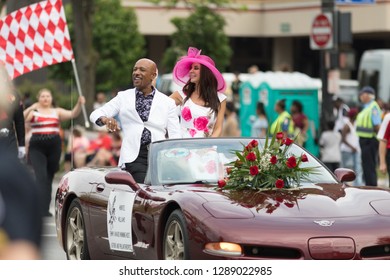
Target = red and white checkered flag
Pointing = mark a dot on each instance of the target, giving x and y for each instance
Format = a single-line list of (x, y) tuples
[(34, 37)]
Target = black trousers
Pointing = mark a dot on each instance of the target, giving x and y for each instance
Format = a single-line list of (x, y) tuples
[(10, 142), (369, 147), (139, 167), (44, 155)]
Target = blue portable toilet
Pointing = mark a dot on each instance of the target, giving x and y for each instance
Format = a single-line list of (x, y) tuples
[(249, 96), (269, 87)]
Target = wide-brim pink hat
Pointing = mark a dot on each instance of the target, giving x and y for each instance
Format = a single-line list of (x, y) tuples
[(183, 66)]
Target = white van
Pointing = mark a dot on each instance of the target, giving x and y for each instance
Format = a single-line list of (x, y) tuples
[(374, 71)]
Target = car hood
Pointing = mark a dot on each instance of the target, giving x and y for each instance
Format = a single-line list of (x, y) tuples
[(328, 200)]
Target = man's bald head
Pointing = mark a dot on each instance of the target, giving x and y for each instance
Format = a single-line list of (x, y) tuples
[(144, 72)]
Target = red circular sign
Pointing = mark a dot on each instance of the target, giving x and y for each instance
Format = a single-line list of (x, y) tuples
[(321, 31)]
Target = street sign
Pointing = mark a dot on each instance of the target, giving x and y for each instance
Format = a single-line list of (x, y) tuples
[(355, 1), (321, 35)]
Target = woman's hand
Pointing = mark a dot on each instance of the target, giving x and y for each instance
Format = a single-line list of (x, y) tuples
[(81, 100)]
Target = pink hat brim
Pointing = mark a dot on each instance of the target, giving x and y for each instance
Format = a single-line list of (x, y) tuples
[(182, 68)]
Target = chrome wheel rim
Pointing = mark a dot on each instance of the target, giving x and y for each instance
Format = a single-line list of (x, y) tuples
[(75, 235), (174, 242)]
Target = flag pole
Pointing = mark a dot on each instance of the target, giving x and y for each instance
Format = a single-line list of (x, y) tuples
[(87, 125)]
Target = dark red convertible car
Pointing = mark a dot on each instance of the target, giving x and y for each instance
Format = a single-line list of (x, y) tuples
[(180, 213)]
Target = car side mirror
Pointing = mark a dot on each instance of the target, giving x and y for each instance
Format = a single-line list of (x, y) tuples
[(125, 178), (345, 174)]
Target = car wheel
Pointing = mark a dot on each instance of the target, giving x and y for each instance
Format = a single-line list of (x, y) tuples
[(175, 242), (76, 247)]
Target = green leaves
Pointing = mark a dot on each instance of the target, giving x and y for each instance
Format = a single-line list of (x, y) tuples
[(203, 29), (116, 41)]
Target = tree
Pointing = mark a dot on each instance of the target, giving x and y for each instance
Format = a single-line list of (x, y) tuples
[(2, 4), (85, 54), (118, 44), (105, 51), (203, 29), (105, 40)]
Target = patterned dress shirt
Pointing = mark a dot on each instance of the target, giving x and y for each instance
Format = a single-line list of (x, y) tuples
[(142, 105)]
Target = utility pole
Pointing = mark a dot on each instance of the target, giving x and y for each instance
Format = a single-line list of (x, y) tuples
[(327, 6)]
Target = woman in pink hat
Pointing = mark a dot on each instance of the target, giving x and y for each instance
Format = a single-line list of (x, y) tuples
[(202, 103)]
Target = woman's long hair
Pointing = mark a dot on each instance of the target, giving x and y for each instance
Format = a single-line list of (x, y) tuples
[(207, 89)]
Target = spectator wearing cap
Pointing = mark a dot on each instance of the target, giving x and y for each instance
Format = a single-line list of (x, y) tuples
[(384, 145), (367, 126), (283, 122), (202, 103), (350, 148)]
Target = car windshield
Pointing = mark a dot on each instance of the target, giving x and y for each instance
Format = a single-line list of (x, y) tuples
[(204, 160)]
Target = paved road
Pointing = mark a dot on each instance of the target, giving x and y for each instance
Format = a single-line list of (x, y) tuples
[(51, 249)]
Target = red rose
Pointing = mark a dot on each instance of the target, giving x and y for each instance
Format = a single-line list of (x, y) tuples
[(254, 170), (289, 204), (304, 158), (291, 162), (273, 160), (279, 183), (251, 156), (254, 143), (221, 183), (279, 135), (288, 142), (249, 147), (229, 170), (279, 198)]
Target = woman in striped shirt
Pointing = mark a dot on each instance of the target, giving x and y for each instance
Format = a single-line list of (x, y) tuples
[(44, 151)]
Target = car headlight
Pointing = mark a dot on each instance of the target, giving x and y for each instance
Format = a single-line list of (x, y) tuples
[(226, 249)]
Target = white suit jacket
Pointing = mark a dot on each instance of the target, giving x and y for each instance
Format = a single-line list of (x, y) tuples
[(162, 118)]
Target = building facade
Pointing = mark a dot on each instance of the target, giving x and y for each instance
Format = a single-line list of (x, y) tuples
[(274, 33)]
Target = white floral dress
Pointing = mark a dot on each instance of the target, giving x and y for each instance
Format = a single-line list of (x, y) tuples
[(196, 120)]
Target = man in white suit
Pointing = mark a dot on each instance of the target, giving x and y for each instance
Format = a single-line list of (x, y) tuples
[(146, 115)]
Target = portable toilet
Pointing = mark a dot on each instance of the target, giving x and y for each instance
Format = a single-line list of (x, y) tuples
[(268, 88), (249, 96)]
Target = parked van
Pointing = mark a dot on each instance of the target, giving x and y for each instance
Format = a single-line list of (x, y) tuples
[(374, 71), (349, 92)]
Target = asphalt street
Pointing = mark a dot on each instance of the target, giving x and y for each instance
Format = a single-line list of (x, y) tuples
[(51, 249)]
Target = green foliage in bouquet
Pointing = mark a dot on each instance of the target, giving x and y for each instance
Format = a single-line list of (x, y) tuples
[(267, 168)]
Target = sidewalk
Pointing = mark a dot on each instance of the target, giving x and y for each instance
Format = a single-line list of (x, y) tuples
[(383, 182)]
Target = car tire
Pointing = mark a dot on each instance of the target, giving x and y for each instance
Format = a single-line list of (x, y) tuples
[(175, 241), (76, 247)]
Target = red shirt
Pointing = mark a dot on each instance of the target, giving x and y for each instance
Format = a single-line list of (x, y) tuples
[(104, 141), (384, 130)]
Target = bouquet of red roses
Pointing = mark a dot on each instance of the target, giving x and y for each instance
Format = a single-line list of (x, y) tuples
[(267, 168)]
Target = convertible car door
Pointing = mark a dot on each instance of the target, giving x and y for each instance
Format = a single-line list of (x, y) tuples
[(102, 214)]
